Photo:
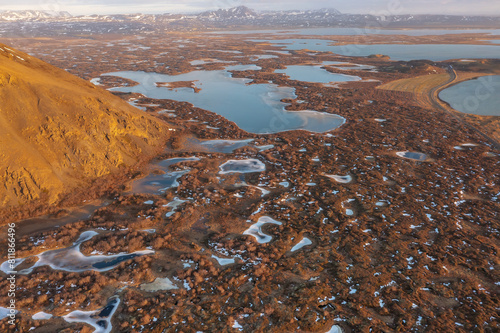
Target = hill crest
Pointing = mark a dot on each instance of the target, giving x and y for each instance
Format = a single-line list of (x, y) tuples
[(60, 132)]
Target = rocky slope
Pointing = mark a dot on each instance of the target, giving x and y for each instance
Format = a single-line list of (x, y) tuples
[(60, 132)]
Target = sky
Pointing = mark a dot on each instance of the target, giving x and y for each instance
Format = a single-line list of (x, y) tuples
[(376, 7)]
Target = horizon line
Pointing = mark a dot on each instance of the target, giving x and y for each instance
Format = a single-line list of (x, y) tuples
[(158, 12)]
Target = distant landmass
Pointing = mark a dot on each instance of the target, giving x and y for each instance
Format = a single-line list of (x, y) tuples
[(232, 18)]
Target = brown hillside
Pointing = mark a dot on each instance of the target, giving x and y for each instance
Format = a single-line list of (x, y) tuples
[(58, 131)]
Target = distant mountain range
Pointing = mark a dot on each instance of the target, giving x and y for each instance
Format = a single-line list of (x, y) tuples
[(233, 18), (32, 15)]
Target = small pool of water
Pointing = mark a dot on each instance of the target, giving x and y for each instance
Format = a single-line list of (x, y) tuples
[(299, 44), (159, 284), (256, 229), (219, 146), (242, 166), (41, 316), (206, 61), (159, 183), (412, 155), (335, 329), (263, 56), (262, 190), (4, 312), (99, 319), (357, 67), (479, 96), (315, 74), (224, 261), (264, 148), (243, 68), (303, 242), (340, 179), (173, 205)]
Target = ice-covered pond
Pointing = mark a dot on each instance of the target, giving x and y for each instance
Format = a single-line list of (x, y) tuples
[(157, 183), (242, 166), (99, 319), (255, 229), (71, 259), (412, 155)]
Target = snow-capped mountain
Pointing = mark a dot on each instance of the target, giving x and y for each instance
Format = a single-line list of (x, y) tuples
[(41, 23), (31, 15), (240, 12)]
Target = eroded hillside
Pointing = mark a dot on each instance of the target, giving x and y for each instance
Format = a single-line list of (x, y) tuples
[(59, 131)]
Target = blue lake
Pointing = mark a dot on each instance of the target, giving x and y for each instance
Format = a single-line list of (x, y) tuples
[(364, 31), (255, 108), (480, 96), (314, 74), (406, 52), (299, 44)]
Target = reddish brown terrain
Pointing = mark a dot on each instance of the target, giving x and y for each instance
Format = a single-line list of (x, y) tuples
[(400, 245)]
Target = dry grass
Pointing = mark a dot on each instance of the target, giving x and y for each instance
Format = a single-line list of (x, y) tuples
[(419, 86)]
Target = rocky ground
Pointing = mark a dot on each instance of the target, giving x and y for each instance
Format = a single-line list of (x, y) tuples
[(397, 245)]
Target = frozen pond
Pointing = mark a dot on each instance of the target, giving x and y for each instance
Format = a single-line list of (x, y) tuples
[(219, 146), (159, 284), (70, 259), (173, 205), (224, 261), (465, 146), (340, 179), (242, 166), (263, 56), (406, 52), (157, 183), (256, 229), (304, 242), (255, 108), (315, 74), (193, 144), (412, 155), (41, 316), (263, 191), (480, 96), (99, 319), (335, 329), (264, 148), (4, 312)]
